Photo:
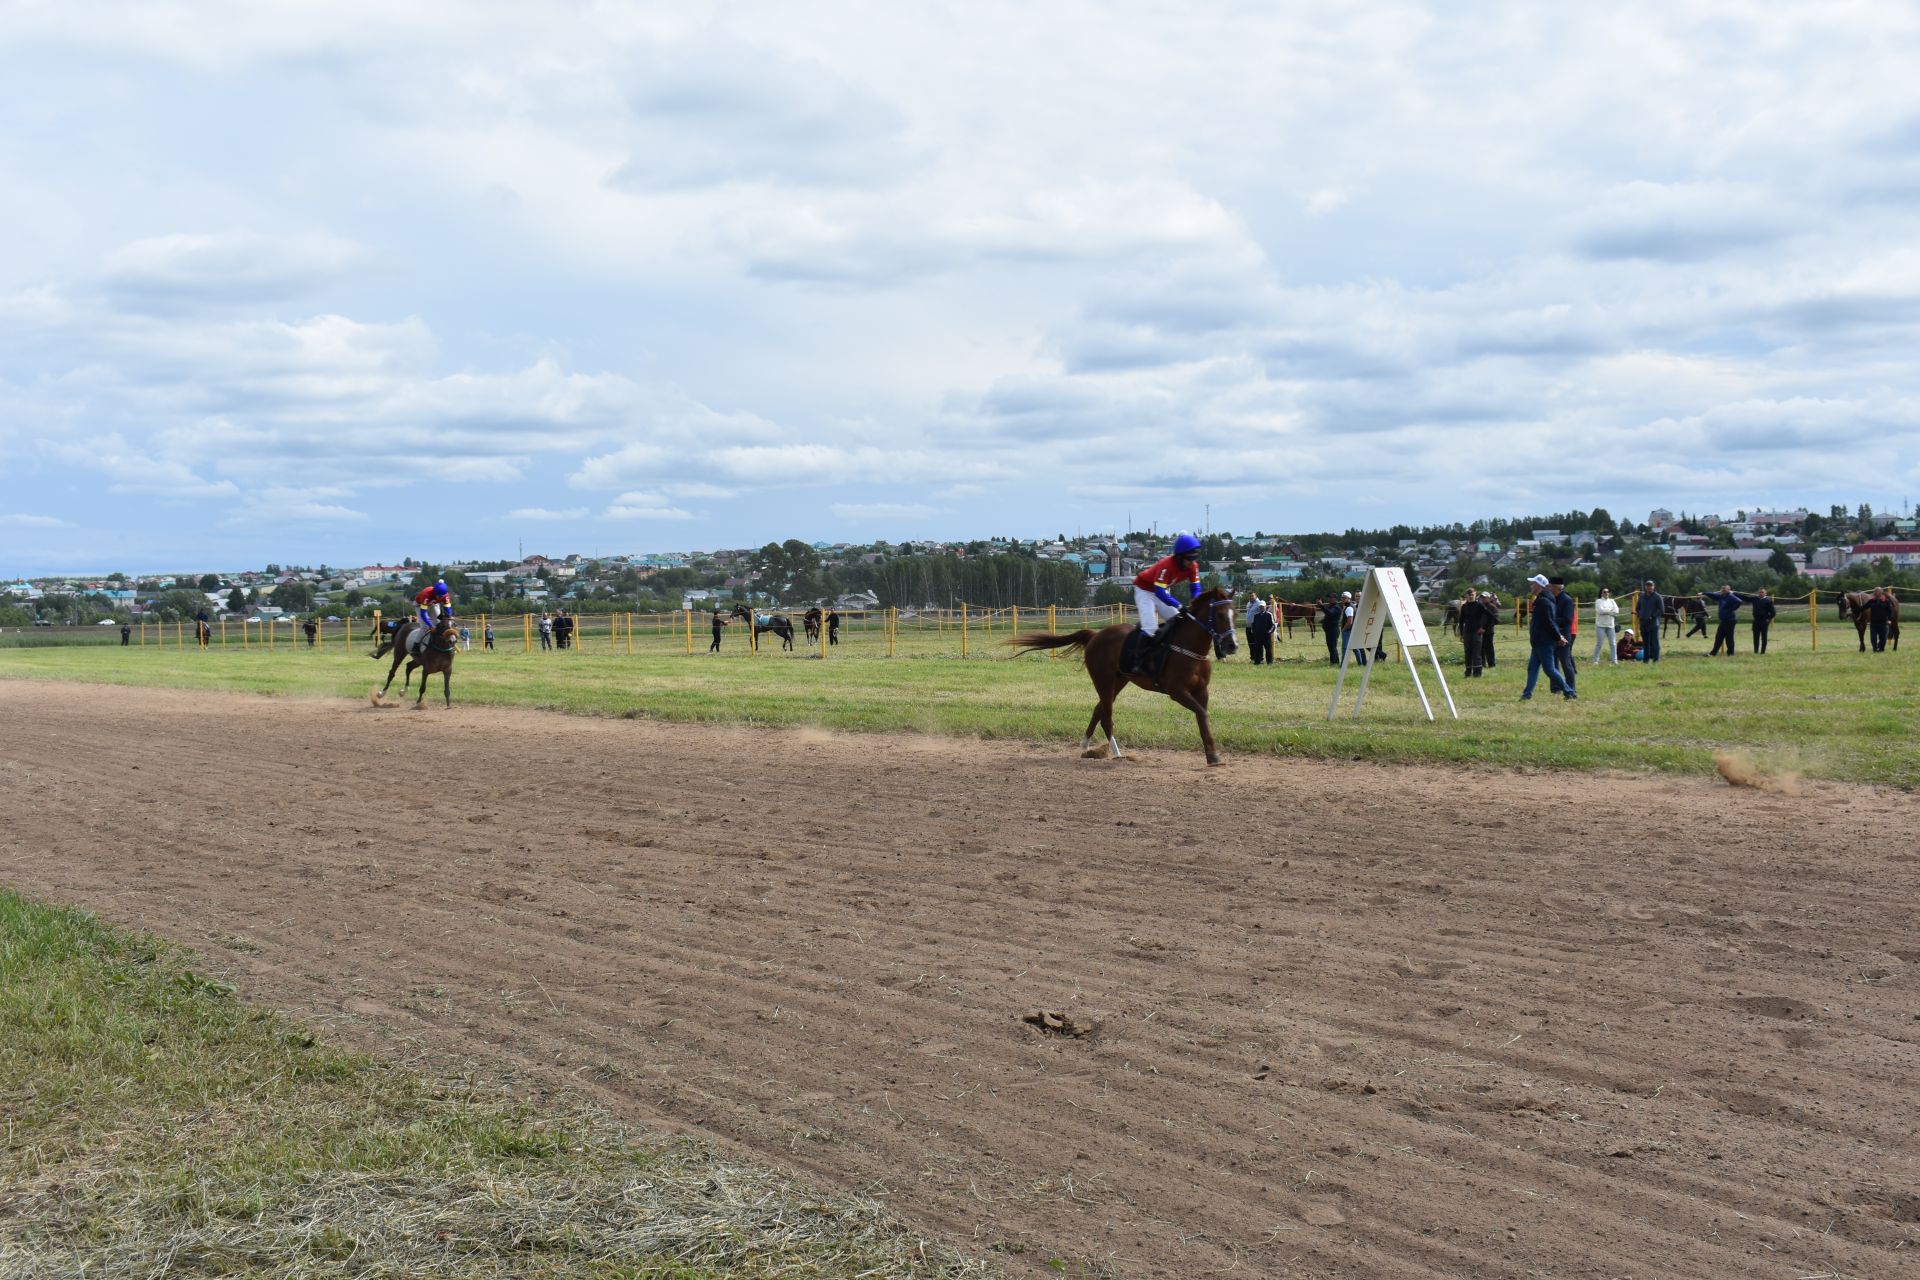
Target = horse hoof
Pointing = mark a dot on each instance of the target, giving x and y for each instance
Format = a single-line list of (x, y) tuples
[(1215, 760), (1094, 753)]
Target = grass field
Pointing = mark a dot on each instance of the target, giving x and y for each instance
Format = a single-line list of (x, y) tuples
[(157, 1125), (1834, 713)]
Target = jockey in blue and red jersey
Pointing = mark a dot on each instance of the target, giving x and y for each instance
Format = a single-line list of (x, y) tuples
[(1151, 585), (432, 601)]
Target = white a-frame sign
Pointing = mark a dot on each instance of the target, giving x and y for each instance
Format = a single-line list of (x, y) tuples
[(1387, 599)]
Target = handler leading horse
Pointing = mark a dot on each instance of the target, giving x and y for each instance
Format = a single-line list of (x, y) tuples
[(1207, 620)]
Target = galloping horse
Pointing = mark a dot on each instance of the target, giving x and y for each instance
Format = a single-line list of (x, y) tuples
[(436, 658), (1208, 619), (778, 623), (1853, 604)]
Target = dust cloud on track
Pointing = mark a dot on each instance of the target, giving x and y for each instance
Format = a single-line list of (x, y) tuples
[(1334, 1019)]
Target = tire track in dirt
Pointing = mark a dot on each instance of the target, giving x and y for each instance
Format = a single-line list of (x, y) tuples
[(1347, 1020)]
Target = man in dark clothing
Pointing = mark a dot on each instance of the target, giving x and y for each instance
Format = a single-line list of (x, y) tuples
[(833, 627), (1491, 602), (1473, 623), (1565, 616), (126, 634), (1763, 611), (1727, 602), (1651, 610), (1879, 618), (311, 630), (719, 621), (1546, 639), (1699, 627), (1259, 633), (1330, 618)]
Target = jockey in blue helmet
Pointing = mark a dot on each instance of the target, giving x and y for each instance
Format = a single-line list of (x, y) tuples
[(432, 601), (1150, 586)]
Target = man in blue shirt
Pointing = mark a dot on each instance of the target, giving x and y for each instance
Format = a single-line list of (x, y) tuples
[(1563, 610), (1546, 639), (1728, 602)]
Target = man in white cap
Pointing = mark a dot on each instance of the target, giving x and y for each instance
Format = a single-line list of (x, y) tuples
[(1346, 623), (1547, 639)]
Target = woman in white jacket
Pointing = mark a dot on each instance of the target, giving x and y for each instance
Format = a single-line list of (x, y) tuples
[(1606, 613)]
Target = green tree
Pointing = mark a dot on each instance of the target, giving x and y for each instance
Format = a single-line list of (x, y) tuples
[(1782, 563), (293, 596), (236, 601), (790, 571), (209, 582)]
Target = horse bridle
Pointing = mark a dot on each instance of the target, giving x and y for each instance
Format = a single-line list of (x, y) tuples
[(1212, 635)]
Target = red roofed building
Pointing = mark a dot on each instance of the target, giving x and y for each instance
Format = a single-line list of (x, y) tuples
[(1905, 555)]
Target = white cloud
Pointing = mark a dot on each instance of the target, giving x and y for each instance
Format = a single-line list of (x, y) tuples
[(625, 511), (881, 510), (35, 522), (547, 513), (174, 271)]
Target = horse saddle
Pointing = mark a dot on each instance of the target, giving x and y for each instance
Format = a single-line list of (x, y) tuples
[(1143, 655)]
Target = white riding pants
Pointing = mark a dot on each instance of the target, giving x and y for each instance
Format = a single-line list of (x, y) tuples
[(1152, 610)]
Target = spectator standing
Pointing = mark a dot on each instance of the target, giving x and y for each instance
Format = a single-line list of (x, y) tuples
[(486, 636), (1763, 611), (1566, 616), (126, 634), (1473, 625), (562, 629), (1651, 610), (1879, 618), (719, 621), (1727, 603), (1346, 623), (546, 631), (1606, 618), (466, 639), (312, 630), (1490, 600), (1330, 625), (1259, 632), (833, 626), (1544, 640)]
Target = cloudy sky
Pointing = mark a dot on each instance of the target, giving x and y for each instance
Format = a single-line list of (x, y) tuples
[(357, 280)]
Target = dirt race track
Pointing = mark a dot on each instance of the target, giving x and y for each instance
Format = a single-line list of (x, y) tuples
[(1338, 1020)]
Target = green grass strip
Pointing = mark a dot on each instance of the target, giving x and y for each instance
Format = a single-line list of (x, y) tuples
[(154, 1125), (1835, 713)]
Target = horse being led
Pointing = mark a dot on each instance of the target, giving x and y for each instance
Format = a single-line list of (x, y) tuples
[(812, 622), (1855, 605), (778, 623), (1208, 620)]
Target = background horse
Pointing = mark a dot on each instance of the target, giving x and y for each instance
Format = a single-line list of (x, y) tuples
[(779, 624), (811, 620), (436, 657), (1681, 609), (1853, 604), (1184, 678), (1291, 613)]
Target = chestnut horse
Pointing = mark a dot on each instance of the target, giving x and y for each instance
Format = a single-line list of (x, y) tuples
[(436, 658), (1207, 620)]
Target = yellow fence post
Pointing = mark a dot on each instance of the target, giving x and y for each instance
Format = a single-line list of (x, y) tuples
[(1053, 625), (889, 621), (689, 621), (1813, 616), (963, 628)]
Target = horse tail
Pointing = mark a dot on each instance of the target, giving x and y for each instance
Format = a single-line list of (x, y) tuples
[(1047, 640)]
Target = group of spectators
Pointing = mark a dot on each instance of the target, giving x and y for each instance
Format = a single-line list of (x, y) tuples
[(1553, 625), (556, 630)]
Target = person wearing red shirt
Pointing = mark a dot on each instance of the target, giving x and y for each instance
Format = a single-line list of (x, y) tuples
[(1150, 586), (432, 601)]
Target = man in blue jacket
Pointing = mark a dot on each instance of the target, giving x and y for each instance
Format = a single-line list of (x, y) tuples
[(1563, 610), (1546, 638), (1728, 602)]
